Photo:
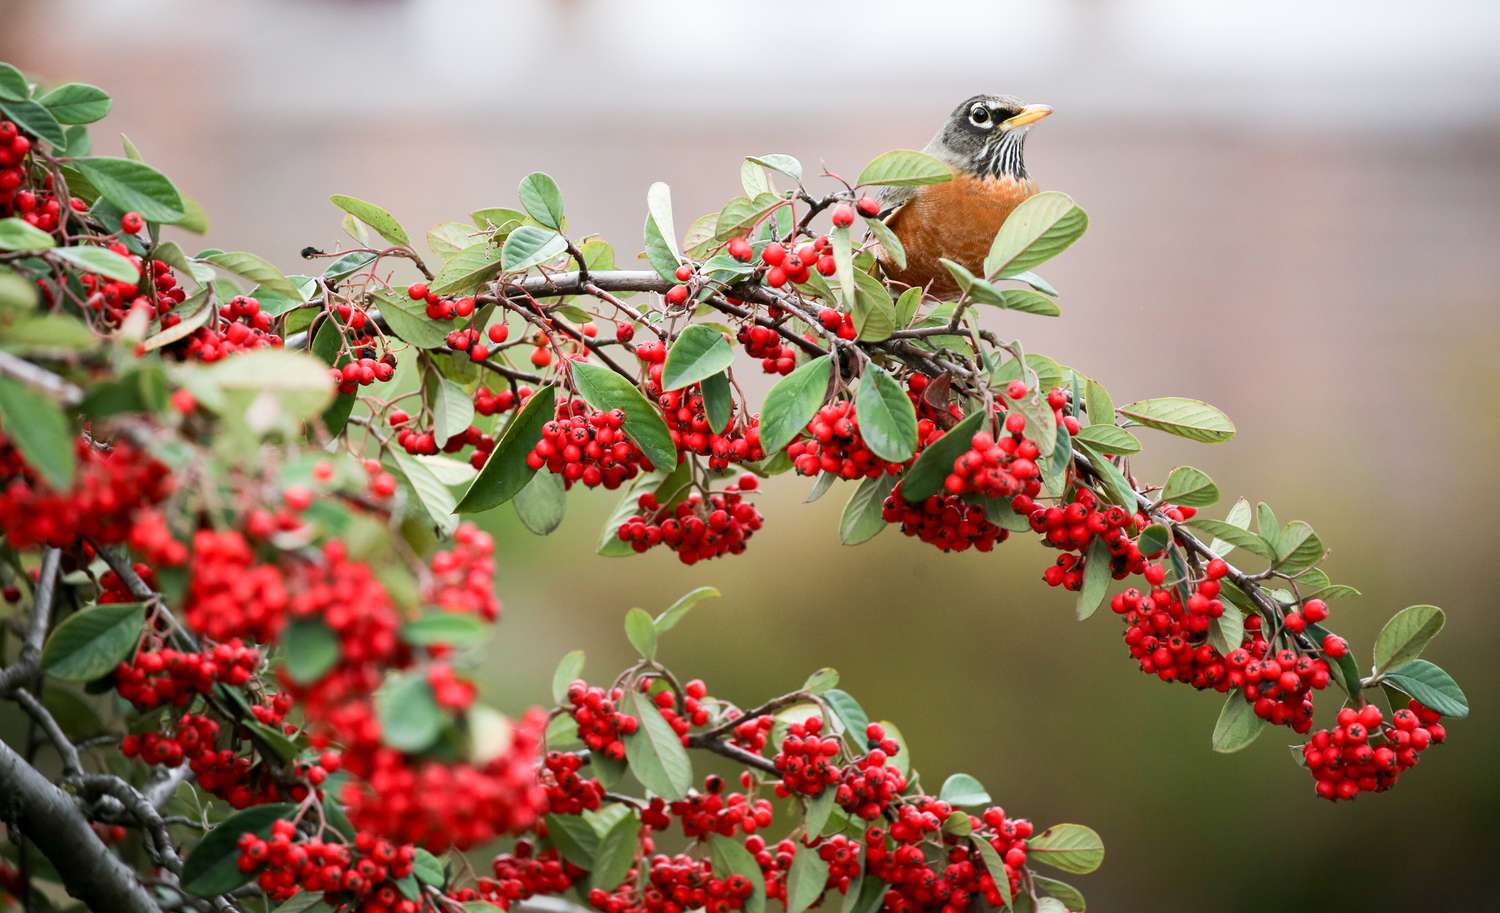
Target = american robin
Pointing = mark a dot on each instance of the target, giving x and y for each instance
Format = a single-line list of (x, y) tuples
[(982, 141)]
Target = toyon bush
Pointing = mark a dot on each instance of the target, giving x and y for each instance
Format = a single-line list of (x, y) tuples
[(243, 600)]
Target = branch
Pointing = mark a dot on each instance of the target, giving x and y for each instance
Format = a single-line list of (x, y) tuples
[(52, 821), (30, 660)]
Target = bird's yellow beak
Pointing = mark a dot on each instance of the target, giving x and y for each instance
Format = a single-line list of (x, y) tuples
[(1029, 115)]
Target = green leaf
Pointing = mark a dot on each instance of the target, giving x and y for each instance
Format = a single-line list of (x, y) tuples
[(641, 632), (410, 718), (93, 642), (16, 293), (863, 518), (1036, 231), (731, 858), (309, 649), (604, 389), (409, 321), (542, 199), (742, 212), (906, 306), (874, 311), (1239, 516), (1101, 408), (575, 838), (1297, 548), (661, 252), (996, 867), (1189, 418), (76, 103), (792, 403), (1189, 487), (212, 868), (452, 409), (1234, 535), (654, 752), (850, 714), (1096, 577), (17, 234), (467, 269), (1071, 898), (428, 869), (964, 790), (527, 246), (498, 218), (1406, 635), (887, 420), (806, 880), (905, 168), (1237, 726), (985, 292), (135, 186), (542, 503), (888, 242), (100, 260), (256, 269), (305, 902), (668, 620), (505, 473), (37, 120), (1430, 685), (13, 84), (659, 205), (1109, 439), (616, 853), (569, 668), (926, 475), (433, 495), (1227, 632), (700, 352), (780, 162), (40, 430), (377, 218), (451, 629), (819, 809), (718, 401), (1068, 847), (449, 238), (1041, 420)]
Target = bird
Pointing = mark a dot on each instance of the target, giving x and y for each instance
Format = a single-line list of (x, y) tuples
[(983, 141)]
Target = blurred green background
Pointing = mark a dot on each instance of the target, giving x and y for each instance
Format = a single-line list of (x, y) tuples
[(1295, 210)]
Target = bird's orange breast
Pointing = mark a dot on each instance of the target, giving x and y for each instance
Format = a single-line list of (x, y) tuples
[(957, 220)]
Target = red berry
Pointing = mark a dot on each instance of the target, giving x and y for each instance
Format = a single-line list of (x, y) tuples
[(131, 222)]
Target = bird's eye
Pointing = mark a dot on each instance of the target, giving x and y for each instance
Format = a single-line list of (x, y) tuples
[(979, 116)]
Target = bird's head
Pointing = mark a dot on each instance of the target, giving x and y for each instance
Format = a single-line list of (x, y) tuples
[(986, 135)]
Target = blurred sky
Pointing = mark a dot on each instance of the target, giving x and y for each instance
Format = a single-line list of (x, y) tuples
[(1295, 210)]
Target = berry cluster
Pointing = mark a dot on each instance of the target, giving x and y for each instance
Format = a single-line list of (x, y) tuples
[(154, 678), (946, 521), (674, 884), (795, 266), (488, 402), (589, 446), (567, 792), (110, 485), (686, 416), (870, 785), (241, 326), (523, 873), (1000, 468), (1072, 527), (1363, 753), (601, 726), (696, 528), (462, 578), (712, 812), (438, 804), (359, 876), (765, 343), (833, 445), (220, 770), (231, 594), (839, 323), (807, 761)]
